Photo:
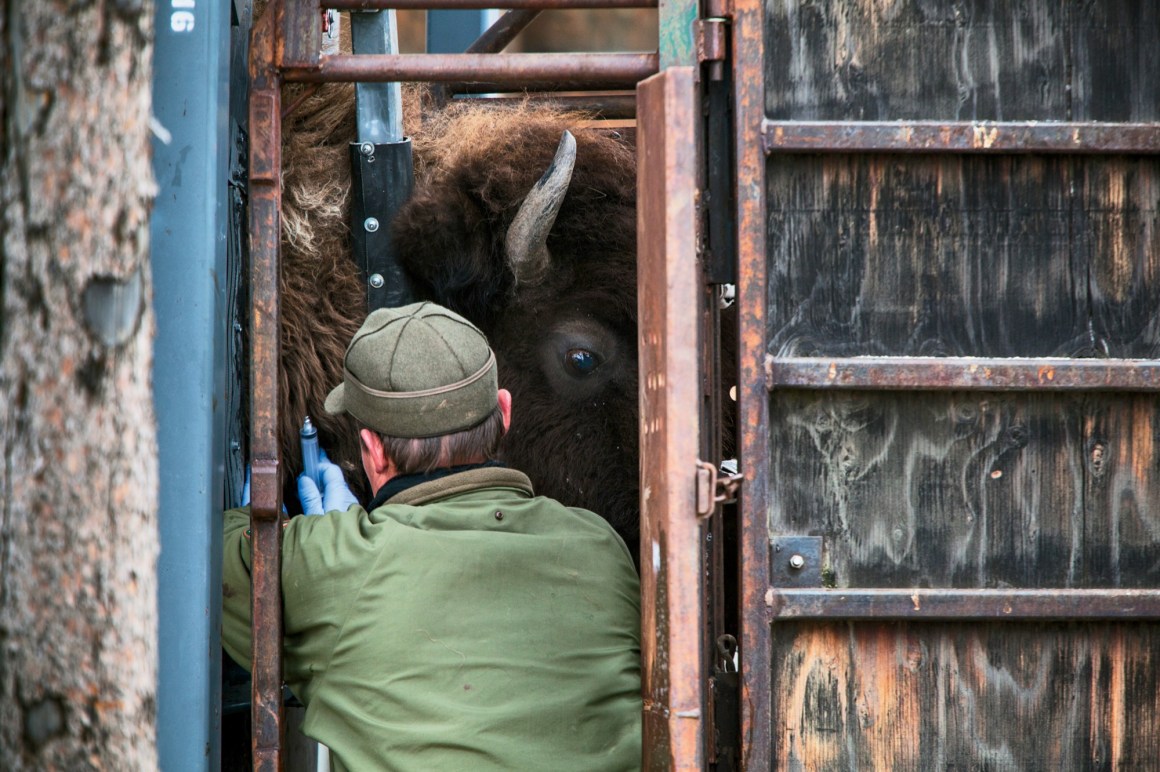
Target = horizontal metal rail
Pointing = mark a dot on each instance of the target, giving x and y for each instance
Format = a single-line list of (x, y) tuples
[(958, 137), (879, 604), (962, 374), (475, 5), (564, 71)]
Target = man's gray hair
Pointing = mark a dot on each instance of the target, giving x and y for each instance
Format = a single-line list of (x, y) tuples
[(419, 455)]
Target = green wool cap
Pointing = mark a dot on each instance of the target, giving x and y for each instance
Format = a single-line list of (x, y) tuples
[(417, 371)]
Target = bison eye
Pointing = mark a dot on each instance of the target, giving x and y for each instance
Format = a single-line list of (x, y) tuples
[(581, 362)]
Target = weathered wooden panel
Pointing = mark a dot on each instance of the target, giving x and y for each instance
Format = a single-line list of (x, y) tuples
[(942, 255), (1004, 256), (963, 60), (1121, 440), (915, 697), (971, 489)]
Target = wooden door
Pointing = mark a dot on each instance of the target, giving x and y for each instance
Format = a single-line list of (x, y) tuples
[(950, 301)]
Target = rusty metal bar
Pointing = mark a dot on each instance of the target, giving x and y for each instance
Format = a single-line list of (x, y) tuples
[(748, 79), (982, 605), (673, 665), (265, 166), (475, 5), (958, 137), (565, 71), (962, 374), (300, 42)]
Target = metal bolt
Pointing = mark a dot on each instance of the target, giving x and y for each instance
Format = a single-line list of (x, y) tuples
[(498, 515), (376, 280), (371, 224), (797, 562), (367, 149)]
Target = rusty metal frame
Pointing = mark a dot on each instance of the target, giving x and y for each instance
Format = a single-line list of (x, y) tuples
[(748, 46), (265, 202), (963, 605), (959, 137), (673, 664), (284, 47), (962, 374), (562, 71)]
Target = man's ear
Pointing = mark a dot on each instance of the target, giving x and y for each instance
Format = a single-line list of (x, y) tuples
[(505, 407), (373, 453)]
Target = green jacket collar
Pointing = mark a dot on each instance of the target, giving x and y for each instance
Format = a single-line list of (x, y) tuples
[(464, 482)]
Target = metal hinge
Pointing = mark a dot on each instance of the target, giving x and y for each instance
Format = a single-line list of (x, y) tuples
[(710, 35), (714, 488)]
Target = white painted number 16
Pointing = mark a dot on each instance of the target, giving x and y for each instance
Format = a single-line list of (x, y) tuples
[(181, 21)]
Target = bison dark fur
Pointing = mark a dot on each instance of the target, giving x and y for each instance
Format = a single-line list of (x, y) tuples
[(566, 345)]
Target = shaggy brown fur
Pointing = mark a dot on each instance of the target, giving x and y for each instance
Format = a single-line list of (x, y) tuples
[(474, 165), (573, 431), (575, 436)]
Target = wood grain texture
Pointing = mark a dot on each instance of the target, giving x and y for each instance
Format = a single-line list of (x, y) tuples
[(913, 697), (997, 256)]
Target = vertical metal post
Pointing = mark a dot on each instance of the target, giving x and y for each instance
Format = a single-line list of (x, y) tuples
[(381, 166), (265, 511), (673, 664), (752, 398), (188, 253)]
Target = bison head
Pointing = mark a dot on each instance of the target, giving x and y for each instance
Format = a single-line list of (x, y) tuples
[(546, 266)]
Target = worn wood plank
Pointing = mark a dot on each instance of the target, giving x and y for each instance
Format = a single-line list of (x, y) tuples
[(909, 59), (1116, 232), (922, 697), (1114, 58), (929, 256), (1121, 439)]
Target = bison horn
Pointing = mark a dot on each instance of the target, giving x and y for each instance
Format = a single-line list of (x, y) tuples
[(527, 237)]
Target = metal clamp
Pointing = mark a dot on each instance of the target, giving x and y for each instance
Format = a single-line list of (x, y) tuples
[(714, 488)]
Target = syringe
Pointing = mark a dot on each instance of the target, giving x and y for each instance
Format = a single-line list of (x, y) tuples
[(309, 438)]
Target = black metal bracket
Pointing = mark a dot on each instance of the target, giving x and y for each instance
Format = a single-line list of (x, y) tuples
[(795, 561), (381, 182)]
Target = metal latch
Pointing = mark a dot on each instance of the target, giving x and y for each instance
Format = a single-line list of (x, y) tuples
[(714, 488)]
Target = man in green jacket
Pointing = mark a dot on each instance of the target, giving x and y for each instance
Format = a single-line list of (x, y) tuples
[(459, 622)]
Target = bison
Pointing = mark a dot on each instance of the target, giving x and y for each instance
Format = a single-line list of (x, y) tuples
[(560, 310), (547, 269)]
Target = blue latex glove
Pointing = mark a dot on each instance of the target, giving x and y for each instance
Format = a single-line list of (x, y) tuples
[(335, 495)]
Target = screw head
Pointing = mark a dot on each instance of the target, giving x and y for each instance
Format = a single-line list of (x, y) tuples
[(367, 149), (376, 280), (797, 562), (498, 515), (371, 224)]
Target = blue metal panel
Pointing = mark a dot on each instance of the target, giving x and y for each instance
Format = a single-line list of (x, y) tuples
[(451, 32), (190, 93)]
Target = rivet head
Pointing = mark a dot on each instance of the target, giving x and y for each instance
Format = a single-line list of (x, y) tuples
[(367, 149), (498, 515), (376, 280), (371, 224), (797, 562)]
